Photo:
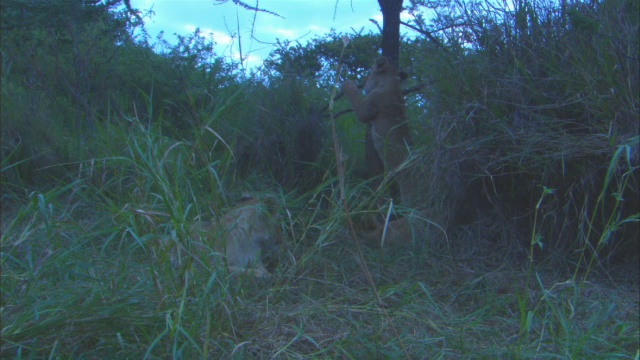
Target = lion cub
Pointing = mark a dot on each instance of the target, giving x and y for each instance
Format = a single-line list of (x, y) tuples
[(388, 137), (248, 234)]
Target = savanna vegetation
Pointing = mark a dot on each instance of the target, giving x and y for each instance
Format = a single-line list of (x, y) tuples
[(524, 116)]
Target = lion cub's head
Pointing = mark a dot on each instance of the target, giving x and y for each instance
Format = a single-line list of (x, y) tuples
[(384, 77), (265, 228), (249, 235)]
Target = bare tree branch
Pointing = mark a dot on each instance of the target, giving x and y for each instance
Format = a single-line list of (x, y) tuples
[(375, 22), (246, 6), (427, 34)]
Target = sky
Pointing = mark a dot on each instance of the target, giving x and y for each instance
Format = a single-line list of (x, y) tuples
[(301, 20)]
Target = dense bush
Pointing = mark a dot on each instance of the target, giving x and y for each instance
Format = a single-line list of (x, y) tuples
[(541, 96)]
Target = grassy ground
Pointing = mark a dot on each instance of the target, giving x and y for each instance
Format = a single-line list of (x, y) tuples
[(85, 277)]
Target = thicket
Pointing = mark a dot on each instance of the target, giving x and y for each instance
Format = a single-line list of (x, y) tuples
[(537, 101), (523, 102), (525, 119)]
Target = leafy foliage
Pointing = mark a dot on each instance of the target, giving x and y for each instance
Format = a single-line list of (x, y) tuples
[(529, 98)]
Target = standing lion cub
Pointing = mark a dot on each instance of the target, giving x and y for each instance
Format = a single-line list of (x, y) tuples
[(246, 236), (382, 108), (387, 146)]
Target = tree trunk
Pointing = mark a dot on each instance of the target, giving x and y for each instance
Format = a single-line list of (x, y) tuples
[(391, 29), (391, 49)]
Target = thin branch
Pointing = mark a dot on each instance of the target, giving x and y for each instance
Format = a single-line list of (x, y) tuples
[(246, 6), (415, 88), (427, 34), (376, 24)]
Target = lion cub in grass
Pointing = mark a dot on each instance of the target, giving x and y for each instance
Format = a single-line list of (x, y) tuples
[(247, 235)]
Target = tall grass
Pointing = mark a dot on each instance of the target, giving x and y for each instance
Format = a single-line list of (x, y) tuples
[(527, 98), (88, 270)]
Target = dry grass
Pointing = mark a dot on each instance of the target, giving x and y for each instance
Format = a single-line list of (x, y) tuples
[(85, 280)]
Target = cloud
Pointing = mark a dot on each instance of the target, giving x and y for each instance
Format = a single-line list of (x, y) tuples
[(283, 33), (318, 29), (250, 61), (303, 20), (378, 18), (405, 16), (221, 38)]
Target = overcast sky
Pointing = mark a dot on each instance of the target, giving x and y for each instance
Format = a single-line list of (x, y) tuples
[(301, 20)]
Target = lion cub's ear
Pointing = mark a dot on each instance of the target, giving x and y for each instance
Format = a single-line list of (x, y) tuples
[(246, 196), (271, 203), (381, 61), (381, 65)]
